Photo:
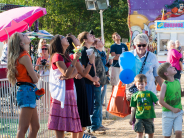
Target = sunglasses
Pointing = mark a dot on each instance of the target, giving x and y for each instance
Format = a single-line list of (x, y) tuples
[(141, 45), (62, 37), (44, 48)]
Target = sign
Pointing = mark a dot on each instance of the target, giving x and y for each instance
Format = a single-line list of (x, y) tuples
[(169, 24)]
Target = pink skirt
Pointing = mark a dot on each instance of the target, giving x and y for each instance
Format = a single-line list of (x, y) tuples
[(66, 119)]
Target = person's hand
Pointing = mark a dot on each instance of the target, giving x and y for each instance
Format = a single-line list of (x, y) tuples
[(37, 75), (102, 88), (97, 84), (108, 51), (91, 58), (78, 76), (175, 110), (131, 122), (77, 55), (62, 77), (96, 79), (110, 61)]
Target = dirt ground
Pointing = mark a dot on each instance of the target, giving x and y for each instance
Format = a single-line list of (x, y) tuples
[(119, 127)]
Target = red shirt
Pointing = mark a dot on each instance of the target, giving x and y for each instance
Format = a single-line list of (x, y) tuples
[(69, 82)]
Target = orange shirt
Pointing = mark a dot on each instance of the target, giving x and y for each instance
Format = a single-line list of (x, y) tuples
[(22, 75)]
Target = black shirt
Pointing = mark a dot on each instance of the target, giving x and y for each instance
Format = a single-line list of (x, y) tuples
[(84, 61)]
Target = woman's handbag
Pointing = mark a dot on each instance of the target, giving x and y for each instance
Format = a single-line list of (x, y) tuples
[(133, 89), (118, 105)]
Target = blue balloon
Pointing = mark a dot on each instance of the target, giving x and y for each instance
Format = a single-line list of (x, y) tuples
[(126, 60), (127, 76)]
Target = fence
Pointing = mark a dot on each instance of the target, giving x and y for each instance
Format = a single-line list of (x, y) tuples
[(9, 111)]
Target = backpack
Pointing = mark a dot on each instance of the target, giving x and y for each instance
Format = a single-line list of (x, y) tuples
[(100, 70)]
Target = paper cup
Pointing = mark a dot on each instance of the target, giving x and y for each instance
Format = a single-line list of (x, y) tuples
[(89, 52)]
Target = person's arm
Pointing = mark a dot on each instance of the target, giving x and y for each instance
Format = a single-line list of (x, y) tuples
[(107, 55), (133, 109), (38, 62), (163, 103), (25, 60), (159, 80), (84, 71), (116, 56), (93, 79), (112, 51), (74, 73), (66, 72), (176, 54)]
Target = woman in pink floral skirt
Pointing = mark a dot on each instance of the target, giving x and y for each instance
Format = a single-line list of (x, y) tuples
[(63, 110)]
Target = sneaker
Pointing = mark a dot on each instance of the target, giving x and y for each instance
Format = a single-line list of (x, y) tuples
[(99, 131), (104, 127), (88, 135)]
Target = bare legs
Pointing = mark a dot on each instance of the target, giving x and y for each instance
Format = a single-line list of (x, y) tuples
[(28, 117), (80, 135)]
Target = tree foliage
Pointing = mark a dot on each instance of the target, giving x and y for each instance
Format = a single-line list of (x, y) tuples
[(71, 16)]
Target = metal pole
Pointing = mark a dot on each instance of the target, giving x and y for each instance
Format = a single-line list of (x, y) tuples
[(102, 34), (102, 29)]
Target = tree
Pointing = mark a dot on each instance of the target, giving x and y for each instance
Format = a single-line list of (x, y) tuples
[(71, 16)]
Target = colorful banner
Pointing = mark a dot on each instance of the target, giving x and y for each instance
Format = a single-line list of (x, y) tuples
[(169, 25), (144, 13)]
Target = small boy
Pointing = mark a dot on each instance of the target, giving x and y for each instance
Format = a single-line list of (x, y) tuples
[(170, 99), (142, 103)]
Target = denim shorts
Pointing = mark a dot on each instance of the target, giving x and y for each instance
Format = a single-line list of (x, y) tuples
[(26, 96)]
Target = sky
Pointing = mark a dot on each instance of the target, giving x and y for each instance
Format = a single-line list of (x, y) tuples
[(151, 8)]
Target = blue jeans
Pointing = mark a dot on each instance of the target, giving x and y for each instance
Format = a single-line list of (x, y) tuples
[(103, 93), (102, 100), (95, 117)]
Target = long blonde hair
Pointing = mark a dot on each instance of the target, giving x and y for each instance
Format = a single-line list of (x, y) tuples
[(14, 50), (40, 46)]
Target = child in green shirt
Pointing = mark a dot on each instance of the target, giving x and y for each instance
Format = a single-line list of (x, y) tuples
[(170, 99), (142, 108)]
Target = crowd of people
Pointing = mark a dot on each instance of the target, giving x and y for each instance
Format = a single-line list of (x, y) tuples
[(78, 82)]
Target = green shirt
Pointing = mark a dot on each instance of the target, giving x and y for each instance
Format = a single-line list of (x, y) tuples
[(143, 101), (173, 94)]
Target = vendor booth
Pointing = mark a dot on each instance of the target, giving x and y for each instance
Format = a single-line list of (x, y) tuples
[(168, 30)]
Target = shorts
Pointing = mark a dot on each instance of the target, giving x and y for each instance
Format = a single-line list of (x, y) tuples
[(171, 121), (26, 96), (144, 124), (115, 71)]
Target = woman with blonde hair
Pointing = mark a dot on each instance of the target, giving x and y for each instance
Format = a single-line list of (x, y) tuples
[(20, 69), (40, 44)]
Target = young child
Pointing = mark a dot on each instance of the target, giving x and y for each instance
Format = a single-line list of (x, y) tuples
[(20, 69), (142, 108), (170, 99), (179, 49)]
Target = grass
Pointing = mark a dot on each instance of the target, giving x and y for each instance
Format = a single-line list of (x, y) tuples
[(9, 125)]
